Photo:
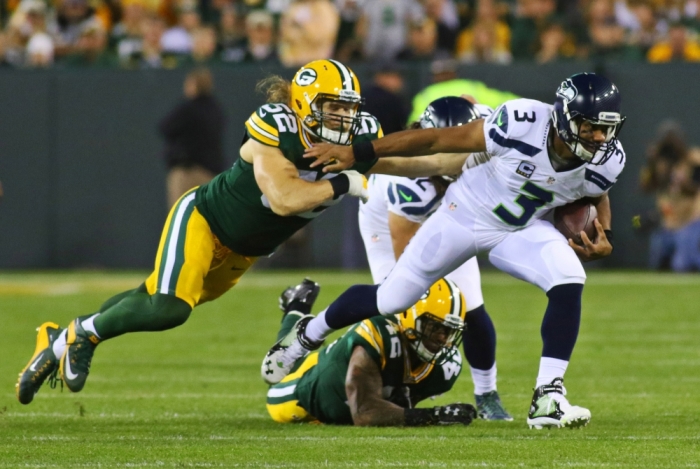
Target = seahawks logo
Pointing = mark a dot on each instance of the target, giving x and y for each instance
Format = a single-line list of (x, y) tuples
[(306, 77), (567, 90)]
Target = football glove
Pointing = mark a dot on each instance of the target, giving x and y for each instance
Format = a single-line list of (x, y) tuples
[(358, 185), (454, 413)]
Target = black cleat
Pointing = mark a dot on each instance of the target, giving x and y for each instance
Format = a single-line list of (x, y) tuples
[(300, 296)]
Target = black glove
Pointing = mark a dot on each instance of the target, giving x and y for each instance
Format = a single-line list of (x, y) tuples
[(454, 413), (444, 415)]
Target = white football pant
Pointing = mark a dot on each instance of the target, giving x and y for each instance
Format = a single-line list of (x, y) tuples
[(538, 254), (380, 254)]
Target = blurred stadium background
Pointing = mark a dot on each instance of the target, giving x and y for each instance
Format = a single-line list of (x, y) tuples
[(84, 84)]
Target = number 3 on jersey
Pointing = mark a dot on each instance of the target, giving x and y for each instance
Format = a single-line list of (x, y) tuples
[(530, 203)]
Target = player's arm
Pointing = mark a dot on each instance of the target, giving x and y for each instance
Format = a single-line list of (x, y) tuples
[(468, 138), (363, 386), (602, 247), (402, 230), (279, 180), (442, 164)]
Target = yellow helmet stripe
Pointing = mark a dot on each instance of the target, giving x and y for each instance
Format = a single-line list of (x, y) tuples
[(345, 74)]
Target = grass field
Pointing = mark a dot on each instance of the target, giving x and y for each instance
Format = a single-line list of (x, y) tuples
[(192, 396)]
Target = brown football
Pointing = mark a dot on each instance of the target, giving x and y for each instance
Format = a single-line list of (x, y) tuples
[(571, 219)]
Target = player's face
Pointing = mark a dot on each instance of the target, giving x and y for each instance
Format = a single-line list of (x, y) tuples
[(337, 114), (592, 136), (436, 336)]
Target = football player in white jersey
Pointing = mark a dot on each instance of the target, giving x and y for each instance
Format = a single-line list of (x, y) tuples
[(396, 208), (535, 157)]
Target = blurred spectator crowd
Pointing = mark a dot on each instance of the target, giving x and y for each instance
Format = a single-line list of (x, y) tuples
[(173, 33)]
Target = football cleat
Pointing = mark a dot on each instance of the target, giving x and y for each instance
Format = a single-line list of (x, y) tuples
[(490, 407), (305, 293), (280, 359), (550, 408), (42, 366), (75, 362)]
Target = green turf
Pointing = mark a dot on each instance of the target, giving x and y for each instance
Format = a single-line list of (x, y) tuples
[(192, 397)]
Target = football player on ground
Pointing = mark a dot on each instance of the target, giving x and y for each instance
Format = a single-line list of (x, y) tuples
[(396, 209), (214, 233), (376, 373), (537, 157)]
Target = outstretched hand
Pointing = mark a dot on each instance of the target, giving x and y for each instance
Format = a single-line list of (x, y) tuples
[(334, 157), (592, 251)]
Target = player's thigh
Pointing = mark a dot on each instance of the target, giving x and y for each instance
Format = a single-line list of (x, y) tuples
[(540, 255), (468, 278), (380, 253), (227, 268), (439, 247), (184, 254)]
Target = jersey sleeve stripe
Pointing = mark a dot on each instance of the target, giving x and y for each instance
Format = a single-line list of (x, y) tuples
[(262, 131), (364, 332), (254, 133), (522, 147), (264, 125)]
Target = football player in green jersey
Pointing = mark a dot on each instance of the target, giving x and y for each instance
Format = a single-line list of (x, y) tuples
[(215, 232), (378, 371)]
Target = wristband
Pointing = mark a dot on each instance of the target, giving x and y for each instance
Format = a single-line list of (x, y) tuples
[(609, 235), (418, 417), (363, 151), (340, 185)]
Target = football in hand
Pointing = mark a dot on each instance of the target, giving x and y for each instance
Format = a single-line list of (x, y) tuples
[(571, 219)]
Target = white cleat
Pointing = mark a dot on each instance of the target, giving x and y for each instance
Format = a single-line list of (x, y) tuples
[(550, 409), (282, 357)]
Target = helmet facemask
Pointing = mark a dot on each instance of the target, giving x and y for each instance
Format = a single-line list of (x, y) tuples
[(339, 124), (436, 340), (587, 150)]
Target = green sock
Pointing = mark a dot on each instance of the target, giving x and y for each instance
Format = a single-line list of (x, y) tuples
[(138, 311), (288, 321)]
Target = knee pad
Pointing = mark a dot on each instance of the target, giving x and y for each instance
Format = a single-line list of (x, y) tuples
[(395, 296)]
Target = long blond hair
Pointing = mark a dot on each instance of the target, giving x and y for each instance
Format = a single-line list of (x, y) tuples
[(275, 88)]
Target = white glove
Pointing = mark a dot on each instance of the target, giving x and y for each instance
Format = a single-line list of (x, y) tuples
[(358, 185)]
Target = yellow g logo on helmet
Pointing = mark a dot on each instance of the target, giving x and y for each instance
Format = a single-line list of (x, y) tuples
[(319, 83), (437, 321)]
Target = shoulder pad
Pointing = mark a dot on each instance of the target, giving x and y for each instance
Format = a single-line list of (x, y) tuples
[(369, 126), (519, 125), (605, 176), (381, 337), (452, 367), (270, 120), (413, 199)]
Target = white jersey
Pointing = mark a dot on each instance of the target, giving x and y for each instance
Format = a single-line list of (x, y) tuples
[(413, 199), (513, 184)]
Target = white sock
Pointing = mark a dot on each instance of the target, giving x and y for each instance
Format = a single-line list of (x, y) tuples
[(484, 380), (89, 324), (317, 329), (550, 368), (59, 345)]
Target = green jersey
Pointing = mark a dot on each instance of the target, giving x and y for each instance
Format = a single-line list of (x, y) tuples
[(321, 389), (238, 212)]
